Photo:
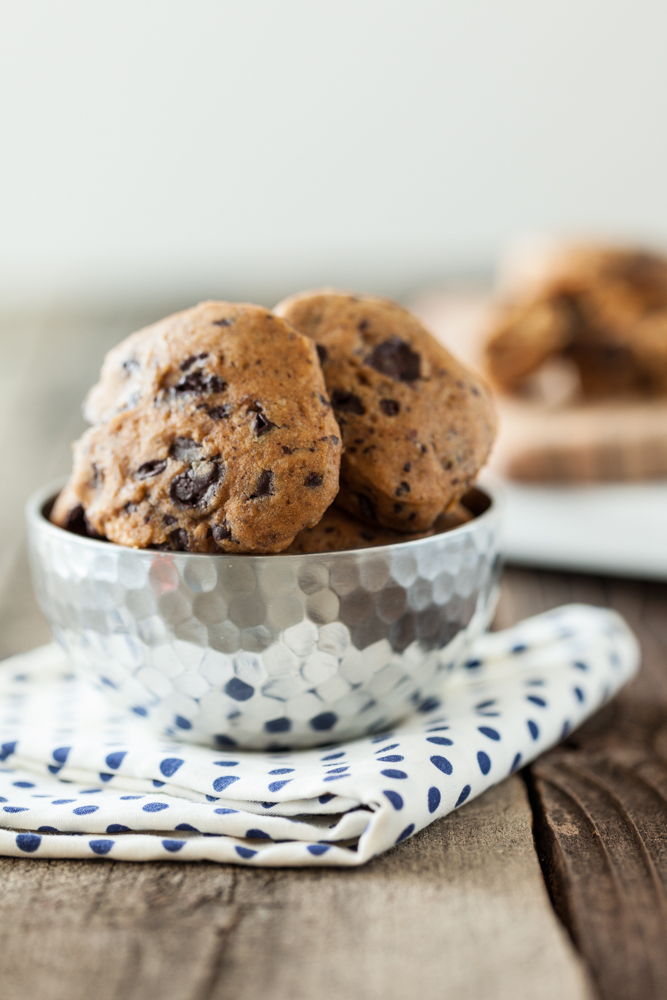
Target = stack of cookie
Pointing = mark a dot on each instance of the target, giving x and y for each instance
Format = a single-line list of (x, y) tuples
[(332, 422), (602, 308)]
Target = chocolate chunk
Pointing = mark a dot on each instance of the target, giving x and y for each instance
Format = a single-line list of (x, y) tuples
[(390, 407), (188, 363), (77, 522), (396, 359), (264, 487), (366, 507), (219, 412), (196, 485), (347, 402), (407, 467), (221, 532), (184, 449), (225, 321), (260, 422), (150, 469), (286, 450), (313, 479), (198, 382), (169, 519), (402, 488), (179, 540), (322, 353)]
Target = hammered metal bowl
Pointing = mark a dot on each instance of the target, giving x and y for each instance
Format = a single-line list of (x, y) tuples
[(274, 651)]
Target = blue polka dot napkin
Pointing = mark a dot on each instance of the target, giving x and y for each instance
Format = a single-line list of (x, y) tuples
[(79, 779)]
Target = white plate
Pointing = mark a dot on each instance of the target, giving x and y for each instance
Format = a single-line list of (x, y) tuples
[(618, 529)]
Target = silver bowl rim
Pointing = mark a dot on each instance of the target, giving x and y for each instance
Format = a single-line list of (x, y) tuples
[(39, 498)]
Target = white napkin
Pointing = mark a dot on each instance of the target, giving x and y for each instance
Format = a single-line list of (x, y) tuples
[(80, 778)]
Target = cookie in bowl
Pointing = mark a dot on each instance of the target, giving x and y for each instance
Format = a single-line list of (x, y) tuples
[(417, 425), (212, 432)]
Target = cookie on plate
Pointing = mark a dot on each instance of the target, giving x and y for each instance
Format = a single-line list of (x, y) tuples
[(416, 424), (602, 308), (212, 432)]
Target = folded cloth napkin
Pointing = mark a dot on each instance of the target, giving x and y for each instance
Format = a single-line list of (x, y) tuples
[(79, 778)]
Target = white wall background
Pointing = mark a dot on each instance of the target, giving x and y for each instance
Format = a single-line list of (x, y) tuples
[(249, 147)]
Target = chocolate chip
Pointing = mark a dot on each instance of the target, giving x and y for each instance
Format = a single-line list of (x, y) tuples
[(474, 390), (286, 450), (323, 400), (184, 449), (313, 479), (188, 363), (363, 325), (77, 522), (390, 407), (396, 359), (366, 507), (348, 402), (221, 532), (398, 507), (179, 540), (334, 439), (130, 365), (150, 469), (219, 412), (322, 353), (131, 507), (402, 488), (198, 382), (407, 467), (260, 423), (225, 321), (264, 487), (169, 519), (195, 486)]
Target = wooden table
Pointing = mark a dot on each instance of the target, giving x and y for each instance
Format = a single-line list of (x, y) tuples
[(550, 885)]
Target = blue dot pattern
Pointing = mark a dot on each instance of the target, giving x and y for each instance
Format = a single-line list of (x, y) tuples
[(94, 783)]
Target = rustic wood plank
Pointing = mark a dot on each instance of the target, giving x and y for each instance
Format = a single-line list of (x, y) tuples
[(600, 801), (460, 911)]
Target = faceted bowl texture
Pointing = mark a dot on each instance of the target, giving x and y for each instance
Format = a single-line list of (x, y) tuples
[(268, 652)]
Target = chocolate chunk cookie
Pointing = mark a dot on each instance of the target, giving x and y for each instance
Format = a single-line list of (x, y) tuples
[(212, 432), (417, 426), (603, 308), (338, 531)]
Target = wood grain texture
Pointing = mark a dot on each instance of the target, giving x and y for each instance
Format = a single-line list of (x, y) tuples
[(600, 801), (460, 911)]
